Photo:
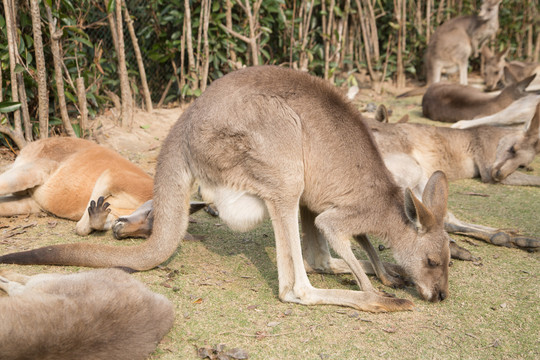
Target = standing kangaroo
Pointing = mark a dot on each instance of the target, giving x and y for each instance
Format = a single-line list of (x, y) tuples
[(456, 40), (98, 314), (494, 69), (412, 152), (268, 140), (454, 102)]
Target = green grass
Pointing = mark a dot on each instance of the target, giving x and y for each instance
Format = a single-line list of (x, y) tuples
[(225, 286)]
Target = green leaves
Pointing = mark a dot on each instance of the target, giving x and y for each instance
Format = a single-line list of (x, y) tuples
[(9, 106)]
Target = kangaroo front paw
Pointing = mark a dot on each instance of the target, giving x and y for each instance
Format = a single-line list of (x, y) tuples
[(98, 213)]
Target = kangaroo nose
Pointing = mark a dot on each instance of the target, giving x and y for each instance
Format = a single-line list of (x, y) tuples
[(442, 295)]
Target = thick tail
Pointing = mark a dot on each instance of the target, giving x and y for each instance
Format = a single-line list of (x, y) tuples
[(172, 190)]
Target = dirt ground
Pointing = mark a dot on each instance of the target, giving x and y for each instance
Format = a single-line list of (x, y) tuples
[(224, 286)]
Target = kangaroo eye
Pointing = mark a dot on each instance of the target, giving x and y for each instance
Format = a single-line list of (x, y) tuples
[(512, 150), (433, 263)]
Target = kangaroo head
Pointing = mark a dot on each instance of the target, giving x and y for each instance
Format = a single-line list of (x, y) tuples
[(493, 67), (517, 149), (489, 9), (427, 262)]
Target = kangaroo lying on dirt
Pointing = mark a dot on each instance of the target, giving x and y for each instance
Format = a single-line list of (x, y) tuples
[(98, 314), (412, 152), (75, 179), (456, 40), (454, 102), (274, 141), (494, 70), (66, 176)]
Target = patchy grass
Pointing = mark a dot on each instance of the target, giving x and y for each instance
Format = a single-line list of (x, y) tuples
[(225, 286)]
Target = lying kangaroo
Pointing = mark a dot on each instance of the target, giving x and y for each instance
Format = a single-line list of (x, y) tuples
[(494, 69), (412, 152), (66, 176), (98, 314), (520, 111), (453, 102), (75, 179), (274, 141), (456, 40)]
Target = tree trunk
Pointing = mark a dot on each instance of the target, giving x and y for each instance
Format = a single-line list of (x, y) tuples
[(83, 108), (24, 109), (125, 90), (142, 71), (43, 93), (206, 59), (12, 49), (57, 61), (189, 43)]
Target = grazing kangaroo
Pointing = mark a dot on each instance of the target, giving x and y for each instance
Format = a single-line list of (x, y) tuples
[(412, 152), (494, 69), (274, 141), (75, 179), (454, 102), (456, 40), (98, 314)]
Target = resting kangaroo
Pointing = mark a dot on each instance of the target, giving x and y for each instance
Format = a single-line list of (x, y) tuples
[(412, 152), (278, 142), (456, 40), (453, 102), (494, 69), (74, 179), (98, 314)]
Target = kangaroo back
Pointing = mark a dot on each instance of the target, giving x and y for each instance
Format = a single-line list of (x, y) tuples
[(99, 314)]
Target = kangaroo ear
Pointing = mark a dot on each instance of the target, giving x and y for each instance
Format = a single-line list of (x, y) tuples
[(435, 195), (381, 115), (509, 77), (522, 85), (533, 130), (486, 51), (418, 213)]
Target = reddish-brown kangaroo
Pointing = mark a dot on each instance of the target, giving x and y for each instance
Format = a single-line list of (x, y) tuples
[(98, 314), (412, 152), (75, 179), (273, 141), (67, 177), (454, 102)]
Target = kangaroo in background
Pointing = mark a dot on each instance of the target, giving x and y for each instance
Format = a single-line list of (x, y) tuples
[(273, 141), (412, 152), (457, 39), (453, 102), (494, 70), (98, 314), (75, 179), (453, 43)]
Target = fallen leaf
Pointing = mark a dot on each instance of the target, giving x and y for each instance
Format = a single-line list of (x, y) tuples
[(389, 330), (273, 324), (198, 301)]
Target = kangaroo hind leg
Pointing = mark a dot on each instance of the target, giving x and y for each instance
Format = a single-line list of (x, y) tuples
[(24, 176)]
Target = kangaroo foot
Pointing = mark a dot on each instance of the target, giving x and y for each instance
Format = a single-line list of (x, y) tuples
[(98, 213), (503, 238), (395, 277), (460, 253)]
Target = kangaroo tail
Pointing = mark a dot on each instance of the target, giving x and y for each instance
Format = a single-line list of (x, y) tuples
[(172, 190), (413, 92)]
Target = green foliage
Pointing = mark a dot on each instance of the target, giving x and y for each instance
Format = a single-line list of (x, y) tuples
[(88, 49)]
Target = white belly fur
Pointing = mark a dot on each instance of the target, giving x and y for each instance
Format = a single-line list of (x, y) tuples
[(240, 210)]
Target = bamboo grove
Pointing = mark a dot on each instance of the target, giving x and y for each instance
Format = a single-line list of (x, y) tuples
[(63, 61)]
